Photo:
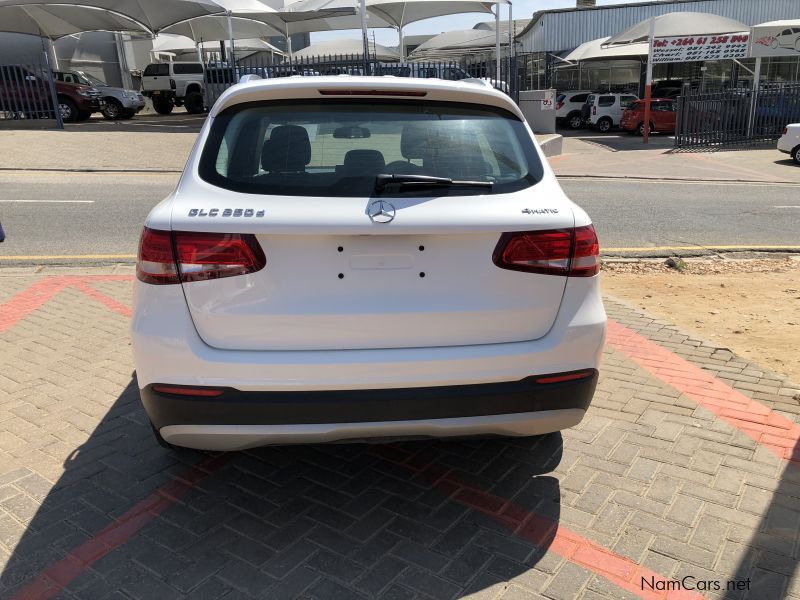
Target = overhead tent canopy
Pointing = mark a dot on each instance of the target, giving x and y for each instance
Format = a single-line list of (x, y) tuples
[(178, 44), (676, 24), (58, 20), (215, 28), (463, 40), (401, 13), (346, 48), (595, 50), (150, 16)]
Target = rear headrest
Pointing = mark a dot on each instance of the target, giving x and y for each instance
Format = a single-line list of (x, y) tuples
[(364, 161), (414, 141), (287, 149)]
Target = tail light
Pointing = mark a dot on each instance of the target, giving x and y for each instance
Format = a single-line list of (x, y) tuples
[(594, 110), (566, 252), (182, 256), (785, 130), (172, 84), (560, 105)]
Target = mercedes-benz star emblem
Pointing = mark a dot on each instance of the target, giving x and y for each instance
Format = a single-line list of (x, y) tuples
[(381, 212)]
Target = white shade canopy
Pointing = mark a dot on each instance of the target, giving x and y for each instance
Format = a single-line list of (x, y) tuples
[(459, 40), (595, 50), (150, 15), (215, 28), (401, 13), (678, 23), (347, 48), (179, 44), (58, 20)]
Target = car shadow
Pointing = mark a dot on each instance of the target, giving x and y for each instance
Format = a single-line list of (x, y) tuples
[(768, 563), (316, 521)]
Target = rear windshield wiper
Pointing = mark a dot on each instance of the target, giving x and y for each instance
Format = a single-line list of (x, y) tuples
[(422, 181)]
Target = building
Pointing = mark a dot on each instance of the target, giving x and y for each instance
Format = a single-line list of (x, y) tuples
[(551, 34)]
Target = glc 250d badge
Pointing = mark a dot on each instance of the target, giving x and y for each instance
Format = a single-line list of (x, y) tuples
[(226, 212), (381, 211), (540, 211)]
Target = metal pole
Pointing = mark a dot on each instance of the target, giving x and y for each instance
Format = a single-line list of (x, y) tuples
[(648, 82), (53, 94), (497, 43), (232, 58), (402, 45), (362, 9), (512, 79), (751, 117)]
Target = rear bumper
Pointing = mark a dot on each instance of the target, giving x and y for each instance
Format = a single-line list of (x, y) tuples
[(234, 407), (241, 437)]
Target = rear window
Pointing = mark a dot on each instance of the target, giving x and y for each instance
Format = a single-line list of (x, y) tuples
[(579, 98), (187, 69), (626, 100), (337, 148), (156, 70)]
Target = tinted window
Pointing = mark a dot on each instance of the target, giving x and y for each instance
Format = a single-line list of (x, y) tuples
[(560, 98), (626, 100), (606, 101), (579, 98), (187, 69), (337, 148), (156, 69)]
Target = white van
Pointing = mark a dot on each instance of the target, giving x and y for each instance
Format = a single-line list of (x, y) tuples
[(603, 110)]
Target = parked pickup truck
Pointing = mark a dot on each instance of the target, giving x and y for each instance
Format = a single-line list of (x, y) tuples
[(174, 84)]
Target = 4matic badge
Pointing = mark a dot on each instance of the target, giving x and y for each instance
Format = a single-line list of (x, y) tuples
[(226, 212), (540, 211)]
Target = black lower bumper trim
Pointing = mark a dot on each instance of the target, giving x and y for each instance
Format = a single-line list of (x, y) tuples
[(234, 407)]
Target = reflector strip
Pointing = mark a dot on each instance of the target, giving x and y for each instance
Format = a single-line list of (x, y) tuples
[(566, 377)]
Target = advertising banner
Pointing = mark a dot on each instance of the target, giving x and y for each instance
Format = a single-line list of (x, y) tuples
[(700, 47), (775, 40)]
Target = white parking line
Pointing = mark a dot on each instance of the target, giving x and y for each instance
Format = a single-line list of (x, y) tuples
[(788, 206), (48, 201)]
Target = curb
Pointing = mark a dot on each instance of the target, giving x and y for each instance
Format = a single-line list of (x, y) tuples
[(645, 178), (86, 170)]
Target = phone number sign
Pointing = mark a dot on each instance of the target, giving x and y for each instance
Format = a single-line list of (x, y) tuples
[(700, 47)]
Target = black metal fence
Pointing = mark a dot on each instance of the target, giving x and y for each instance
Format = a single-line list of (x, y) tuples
[(735, 117), (221, 77), (28, 97)]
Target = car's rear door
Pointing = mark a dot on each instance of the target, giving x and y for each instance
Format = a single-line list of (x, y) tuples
[(419, 272)]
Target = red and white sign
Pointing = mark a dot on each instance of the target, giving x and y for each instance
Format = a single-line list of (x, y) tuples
[(700, 47)]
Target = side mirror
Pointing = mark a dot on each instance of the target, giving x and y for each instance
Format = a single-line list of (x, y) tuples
[(351, 132)]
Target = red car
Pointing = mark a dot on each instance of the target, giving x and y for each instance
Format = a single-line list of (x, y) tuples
[(662, 116)]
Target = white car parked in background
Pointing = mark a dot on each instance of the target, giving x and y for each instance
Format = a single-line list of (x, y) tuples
[(362, 257), (790, 142), (603, 111), (569, 105)]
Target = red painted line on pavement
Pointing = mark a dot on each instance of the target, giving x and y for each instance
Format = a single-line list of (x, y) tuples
[(542, 532), (54, 579), (109, 302), (18, 307), (768, 428)]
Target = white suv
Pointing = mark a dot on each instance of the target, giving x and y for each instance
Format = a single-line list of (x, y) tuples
[(175, 84), (604, 110), (568, 107), (365, 257)]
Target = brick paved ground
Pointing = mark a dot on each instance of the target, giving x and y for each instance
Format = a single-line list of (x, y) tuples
[(660, 480)]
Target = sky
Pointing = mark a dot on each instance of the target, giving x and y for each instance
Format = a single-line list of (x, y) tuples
[(523, 9)]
